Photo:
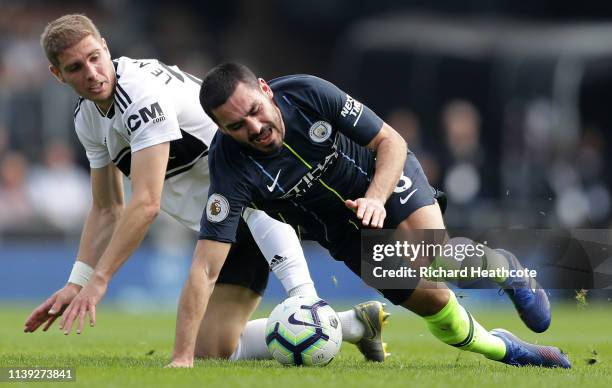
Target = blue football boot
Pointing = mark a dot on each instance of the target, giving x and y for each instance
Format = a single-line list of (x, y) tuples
[(528, 297), (521, 353)]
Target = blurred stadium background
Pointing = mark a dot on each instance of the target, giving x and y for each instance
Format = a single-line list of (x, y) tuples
[(505, 103)]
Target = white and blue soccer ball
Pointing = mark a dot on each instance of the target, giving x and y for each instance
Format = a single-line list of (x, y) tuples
[(303, 331)]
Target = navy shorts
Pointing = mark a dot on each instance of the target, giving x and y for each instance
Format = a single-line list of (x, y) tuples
[(412, 193), (245, 264)]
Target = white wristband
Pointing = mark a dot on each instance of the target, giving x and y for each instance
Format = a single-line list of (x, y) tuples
[(81, 272)]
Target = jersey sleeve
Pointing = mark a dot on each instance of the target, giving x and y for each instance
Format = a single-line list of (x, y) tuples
[(342, 111), (228, 195), (147, 112), (94, 143)]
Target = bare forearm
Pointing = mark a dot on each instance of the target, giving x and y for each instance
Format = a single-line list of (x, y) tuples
[(97, 232), (106, 208), (127, 236), (390, 158), (208, 259), (192, 306)]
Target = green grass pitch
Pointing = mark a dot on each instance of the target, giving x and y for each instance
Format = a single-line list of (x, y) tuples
[(130, 350)]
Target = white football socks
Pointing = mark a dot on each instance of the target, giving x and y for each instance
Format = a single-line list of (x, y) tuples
[(252, 343), (352, 328), (280, 246), (306, 289)]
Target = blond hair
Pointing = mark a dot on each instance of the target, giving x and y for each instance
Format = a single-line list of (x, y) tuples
[(65, 32)]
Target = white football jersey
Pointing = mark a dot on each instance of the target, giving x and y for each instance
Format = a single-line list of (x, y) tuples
[(154, 103)]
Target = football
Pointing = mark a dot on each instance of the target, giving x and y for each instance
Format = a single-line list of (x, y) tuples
[(303, 331)]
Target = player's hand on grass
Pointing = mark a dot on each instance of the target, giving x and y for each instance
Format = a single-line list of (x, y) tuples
[(84, 304), (52, 308), (370, 211)]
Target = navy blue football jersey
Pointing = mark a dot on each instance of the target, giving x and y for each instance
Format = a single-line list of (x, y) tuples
[(322, 163)]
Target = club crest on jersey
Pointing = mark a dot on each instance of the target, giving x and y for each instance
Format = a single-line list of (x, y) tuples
[(217, 208), (320, 131)]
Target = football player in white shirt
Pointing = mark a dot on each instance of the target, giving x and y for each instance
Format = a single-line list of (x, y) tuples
[(142, 118)]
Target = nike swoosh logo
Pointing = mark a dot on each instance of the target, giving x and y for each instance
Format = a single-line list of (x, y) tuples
[(271, 187), (406, 198), (294, 321)]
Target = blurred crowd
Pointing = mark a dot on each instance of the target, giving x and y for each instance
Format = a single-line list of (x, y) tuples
[(44, 180), (42, 189), (528, 181), (539, 186)]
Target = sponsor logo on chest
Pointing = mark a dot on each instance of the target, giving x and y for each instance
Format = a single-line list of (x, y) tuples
[(314, 174), (152, 113)]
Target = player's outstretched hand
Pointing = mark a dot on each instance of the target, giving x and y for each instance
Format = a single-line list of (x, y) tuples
[(370, 211), (51, 309), (84, 304)]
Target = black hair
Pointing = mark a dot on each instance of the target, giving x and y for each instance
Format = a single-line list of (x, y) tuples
[(220, 83)]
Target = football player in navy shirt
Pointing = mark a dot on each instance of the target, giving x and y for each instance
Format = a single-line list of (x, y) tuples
[(300, 148)]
